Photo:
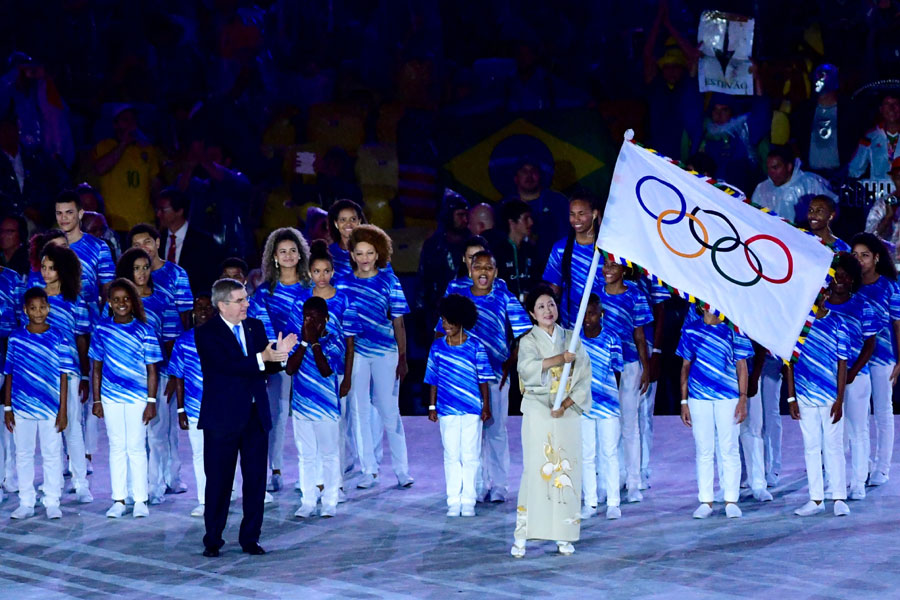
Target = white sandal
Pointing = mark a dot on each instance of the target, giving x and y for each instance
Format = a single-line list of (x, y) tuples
[(565, 548), (518, 549)]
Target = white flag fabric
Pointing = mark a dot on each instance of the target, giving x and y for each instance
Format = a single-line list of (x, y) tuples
[(759, 271)]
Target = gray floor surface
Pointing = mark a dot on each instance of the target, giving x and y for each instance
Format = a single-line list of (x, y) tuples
[(388, 542)]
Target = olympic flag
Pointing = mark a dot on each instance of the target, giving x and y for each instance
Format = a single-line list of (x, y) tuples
[(759, 271)]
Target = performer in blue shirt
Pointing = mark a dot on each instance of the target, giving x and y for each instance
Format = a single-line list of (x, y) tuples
[(463, 281), (10, 303), (379, 364), (819, 215), (863, 325), (343, 217), (498, 312), (879, 278), (285, 267), (170, 280), (69, 315), (459, 374), (184, 370), (816, 385), (35, 396), (125, 352), (601, 426), (625, 313), (714, 403), (316, 408)]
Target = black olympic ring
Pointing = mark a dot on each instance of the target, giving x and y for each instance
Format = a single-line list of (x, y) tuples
[(758, 270), (737, 238)]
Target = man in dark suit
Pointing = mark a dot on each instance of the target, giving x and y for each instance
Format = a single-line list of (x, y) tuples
[(192, 249), (234, 413)]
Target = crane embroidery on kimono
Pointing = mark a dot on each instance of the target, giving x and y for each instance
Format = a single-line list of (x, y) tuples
[(556, 471)]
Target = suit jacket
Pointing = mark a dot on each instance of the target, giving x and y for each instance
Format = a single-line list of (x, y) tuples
[(201, 256), (232, 381)]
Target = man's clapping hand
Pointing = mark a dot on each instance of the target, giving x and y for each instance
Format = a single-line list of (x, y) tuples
[(281, 349)]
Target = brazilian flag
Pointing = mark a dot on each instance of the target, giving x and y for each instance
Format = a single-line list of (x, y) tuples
[(480, 154)]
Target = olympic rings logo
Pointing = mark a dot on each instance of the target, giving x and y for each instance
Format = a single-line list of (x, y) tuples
[(725, 244)]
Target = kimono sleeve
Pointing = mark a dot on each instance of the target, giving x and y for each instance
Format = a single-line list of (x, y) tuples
[(531, 375)]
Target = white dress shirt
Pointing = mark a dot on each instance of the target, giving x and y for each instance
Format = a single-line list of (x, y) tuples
[(179, 241)]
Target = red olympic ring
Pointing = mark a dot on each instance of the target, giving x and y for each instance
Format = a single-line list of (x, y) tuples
[(779, 243)]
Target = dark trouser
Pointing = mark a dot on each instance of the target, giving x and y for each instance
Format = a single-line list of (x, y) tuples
[(220, 454)]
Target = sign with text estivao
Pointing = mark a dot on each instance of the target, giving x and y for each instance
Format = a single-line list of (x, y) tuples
[(726, 42)]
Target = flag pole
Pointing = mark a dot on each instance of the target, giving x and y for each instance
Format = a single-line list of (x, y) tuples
[(582, 308)]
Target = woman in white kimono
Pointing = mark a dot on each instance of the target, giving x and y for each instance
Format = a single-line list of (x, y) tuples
[(550, 492)]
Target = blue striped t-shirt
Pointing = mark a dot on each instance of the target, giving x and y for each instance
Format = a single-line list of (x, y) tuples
[(713, 351), (185, 364), (315, 398), (376, 301), (861, 321), (884, 295), (457, 371), (605, 352), (622, 314), (35, 361), (815, 372), (125, 349)]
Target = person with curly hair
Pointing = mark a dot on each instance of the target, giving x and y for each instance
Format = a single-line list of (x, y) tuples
[(285, 268), (459, 374), (36, 246), (379, 363), (61, 272)]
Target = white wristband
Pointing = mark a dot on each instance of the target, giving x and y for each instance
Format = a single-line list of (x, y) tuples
[(180, 411), (432, 407), (657, 351), (791, 399), (85, 377), (151, 400), (7, 408), (304, 344), (684, 401)]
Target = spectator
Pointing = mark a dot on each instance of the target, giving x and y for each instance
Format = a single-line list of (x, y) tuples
[(731, 139), (823, 127), (317, 225), (878, 146), (190, 248), (481, 219), (128, 166), (335, 181), (675, 103), (219, 197), (549, 209), (13, 252), (28, 181), (703, 164), (91, 199), (882, 218), (788, 189), (515, 252), (442, 252), (95, 224)]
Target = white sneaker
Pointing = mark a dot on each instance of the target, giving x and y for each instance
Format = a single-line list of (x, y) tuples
[(565, 548), (809, 509), (857, 493), (268, 498), (327, 511), (367, 482), (467, 511), (733, 511), (497, 496), (634, 496), (305, 511), (453, 511), (53, 512), (841, 509), (877, 478), (518, 549), (613, 513), (588, 511), (84, 497), (23, 512), (763, 495), (703, 511), (406, 482), (198, 511), (116, 510), (141, 510)]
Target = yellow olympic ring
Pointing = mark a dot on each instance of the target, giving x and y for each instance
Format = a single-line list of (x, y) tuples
[(659, 223)]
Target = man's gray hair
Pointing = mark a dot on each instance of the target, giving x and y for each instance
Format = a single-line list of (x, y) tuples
[(221, 290)]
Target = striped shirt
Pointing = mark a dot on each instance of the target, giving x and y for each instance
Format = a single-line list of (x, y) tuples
[(172, 280), (457, 371), (622, 314), (861, 322), (277, 304), (816, 371), (97, 269), (605, 352), (70, 319), (377, 301), (125, 349), (315, 398), (582, 254), (884, 295), (185, 365), (713, 351), (35, 361), (340, 317)]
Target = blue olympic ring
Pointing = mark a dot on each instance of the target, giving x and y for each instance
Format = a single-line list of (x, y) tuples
[(674, 220)]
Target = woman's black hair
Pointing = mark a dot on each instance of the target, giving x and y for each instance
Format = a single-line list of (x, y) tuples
[(884, 265), (125, 266), (850, 266), (542, 289), (476, 241), (137, 305), (335, 210), (458, 310), (318, 250), (68, 268), (566, 288)]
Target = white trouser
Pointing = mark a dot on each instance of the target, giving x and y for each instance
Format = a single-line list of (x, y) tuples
[(158, 440), (883, 409), (195, 436), (173, 467), (8, 475), (494, 467), (711, 420), (348, 447), (821, 438), (375, 385), (127, 449), (317, 446), (26, 432), (461, 438), (856, 410), (74, 435), (753, 445), (90, 423), (629, 400), (279, 388), (600, 455), (645, 422), (377, 427), (770, 388)]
